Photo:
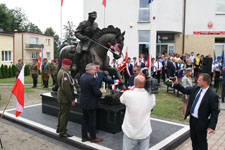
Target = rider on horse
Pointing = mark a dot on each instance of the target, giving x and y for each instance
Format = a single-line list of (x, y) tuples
[(84, 32)]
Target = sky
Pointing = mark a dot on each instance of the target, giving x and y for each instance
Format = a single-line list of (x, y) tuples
[(46, 13)]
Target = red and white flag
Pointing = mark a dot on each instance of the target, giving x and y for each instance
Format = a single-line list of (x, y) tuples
[(61, 3), (18, 91), (123, 64), (104, 3), (40, 60)]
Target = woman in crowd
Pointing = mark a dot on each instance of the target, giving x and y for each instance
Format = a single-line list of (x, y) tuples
[(180, 70), (186, 82)]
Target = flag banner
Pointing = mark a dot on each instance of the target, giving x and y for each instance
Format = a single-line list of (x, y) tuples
[(40, 60), (215, 58), (104, 3), (123, 63), (148, 62), (61, 3), (18, 91), (223, 60)]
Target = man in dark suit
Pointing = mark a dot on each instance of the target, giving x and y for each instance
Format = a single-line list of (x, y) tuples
[(172, 68), (223, 85), (128, 71), (203, 110), (136, 71), (100, 77), (90, 93), (165, 73)]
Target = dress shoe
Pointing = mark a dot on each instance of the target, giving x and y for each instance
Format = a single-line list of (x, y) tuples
[(66, 135), (96, 140), (86, 139)]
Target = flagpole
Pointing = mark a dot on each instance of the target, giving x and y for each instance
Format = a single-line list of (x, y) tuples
[(104, 17), (61, 24), (6, 106)]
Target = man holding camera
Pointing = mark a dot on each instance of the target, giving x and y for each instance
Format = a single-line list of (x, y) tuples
[(203, 108), (136, 124)]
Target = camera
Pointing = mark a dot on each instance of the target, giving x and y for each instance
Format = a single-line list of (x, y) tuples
[(151, 85)]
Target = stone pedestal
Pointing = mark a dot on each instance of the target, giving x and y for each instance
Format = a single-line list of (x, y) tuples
[(108, 118)]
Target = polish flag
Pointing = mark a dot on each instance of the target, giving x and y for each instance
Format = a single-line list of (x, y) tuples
[(18, 91), (61, 3), (104, 3), (123, 64), (40, 60)]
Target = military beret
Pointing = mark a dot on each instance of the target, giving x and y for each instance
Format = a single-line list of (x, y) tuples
[(34, 60), (45, 59), (19, 60), (67, 61)]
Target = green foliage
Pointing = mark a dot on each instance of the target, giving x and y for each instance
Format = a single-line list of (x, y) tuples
[(70, 33), (4, 17), (10, 72), (5, 71), (30, 27), (27, 70), (2, 71), (13, 70)]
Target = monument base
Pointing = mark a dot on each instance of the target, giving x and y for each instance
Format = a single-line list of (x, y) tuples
[(108, 118)]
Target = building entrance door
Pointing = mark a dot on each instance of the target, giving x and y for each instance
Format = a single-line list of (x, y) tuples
[(164, 48)]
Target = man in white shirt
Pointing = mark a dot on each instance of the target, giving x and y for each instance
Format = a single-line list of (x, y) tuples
[(192, 56), (136, 124), (158, 66)]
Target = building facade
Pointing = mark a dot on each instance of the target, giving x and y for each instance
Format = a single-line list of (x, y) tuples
[(25, 46), (164, 26)]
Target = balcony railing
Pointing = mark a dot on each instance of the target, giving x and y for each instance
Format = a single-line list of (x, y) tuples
[(34, 46)]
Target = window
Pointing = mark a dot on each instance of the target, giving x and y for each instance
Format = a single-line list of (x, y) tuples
[(220, 7), (34, 55), (48, 42), (48, 55), (219, 46), (143, 40), (6, 56), (33, 40), (144, 12)]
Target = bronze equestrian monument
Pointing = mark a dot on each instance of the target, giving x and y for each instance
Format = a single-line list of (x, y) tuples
[(94, 45)]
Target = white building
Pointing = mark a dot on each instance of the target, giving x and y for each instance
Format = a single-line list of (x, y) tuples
[(161, 24)]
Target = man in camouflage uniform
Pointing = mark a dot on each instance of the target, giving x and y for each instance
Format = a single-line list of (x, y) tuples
[(84, 32), (65, 97), (54, 67), (45, 71), (34, 73), (19, 66)]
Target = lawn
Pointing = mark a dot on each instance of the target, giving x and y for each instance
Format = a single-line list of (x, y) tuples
[(168, 106), (27, 80)]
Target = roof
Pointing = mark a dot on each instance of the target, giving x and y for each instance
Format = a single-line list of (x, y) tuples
[(11, 33)]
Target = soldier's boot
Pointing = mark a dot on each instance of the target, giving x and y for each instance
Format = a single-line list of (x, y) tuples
[(47, 84), (35, 83), (44, 84)]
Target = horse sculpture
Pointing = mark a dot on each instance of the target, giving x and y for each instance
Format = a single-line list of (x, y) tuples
[(103, 41)]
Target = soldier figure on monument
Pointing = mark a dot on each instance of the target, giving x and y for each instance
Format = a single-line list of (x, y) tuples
[(84, 33)]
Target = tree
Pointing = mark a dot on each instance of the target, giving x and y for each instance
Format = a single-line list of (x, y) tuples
[(50, 31), (4, 18), (18, 19), (30, 27), (70, 33)]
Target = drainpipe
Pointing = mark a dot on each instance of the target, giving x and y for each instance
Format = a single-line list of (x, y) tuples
[(22, 50), (184, 27)]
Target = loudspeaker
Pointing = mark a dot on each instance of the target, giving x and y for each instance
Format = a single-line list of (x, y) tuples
[(207, 65)]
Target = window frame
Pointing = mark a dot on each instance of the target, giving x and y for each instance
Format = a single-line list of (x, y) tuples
[(9, 56), (143, 9), (31, 41), (219, 12), (36, 53)]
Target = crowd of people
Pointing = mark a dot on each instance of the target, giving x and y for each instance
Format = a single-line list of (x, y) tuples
[(166, 66)]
